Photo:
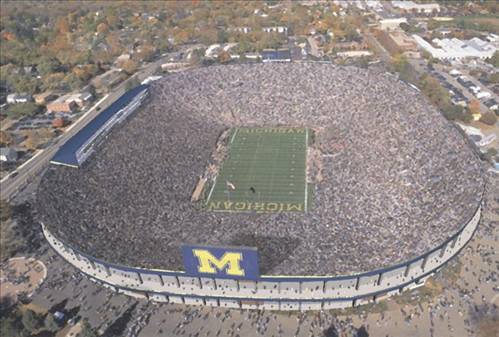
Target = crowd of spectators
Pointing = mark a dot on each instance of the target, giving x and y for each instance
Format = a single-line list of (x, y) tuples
[(399, 179)]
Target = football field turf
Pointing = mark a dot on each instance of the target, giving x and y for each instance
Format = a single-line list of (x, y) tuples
[(265, 171)]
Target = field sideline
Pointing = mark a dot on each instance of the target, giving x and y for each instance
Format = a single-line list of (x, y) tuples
[(265, 171)]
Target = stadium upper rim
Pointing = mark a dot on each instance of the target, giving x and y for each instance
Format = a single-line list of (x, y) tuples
[(129, 204)]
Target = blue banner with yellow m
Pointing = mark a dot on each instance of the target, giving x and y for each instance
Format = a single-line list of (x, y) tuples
[(223, 262)]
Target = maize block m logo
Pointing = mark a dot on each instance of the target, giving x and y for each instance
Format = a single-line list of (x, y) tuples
[(221, 262), (230, 263)]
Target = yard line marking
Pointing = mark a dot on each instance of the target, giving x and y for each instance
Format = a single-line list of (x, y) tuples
[(234, 135), (212, 188), (306, 189)]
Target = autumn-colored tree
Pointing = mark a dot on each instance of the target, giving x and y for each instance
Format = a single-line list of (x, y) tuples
[(36, 138), (8, 36), (224, 57), (146, 52), (5, 138), (474, 107), (102, 28), (494, 60), (129, 66), (208, 36), (58, 122), (86, 72), (114, 43), (489, 118), (113, 21), (53, 81), (181, 36), (62, 25)]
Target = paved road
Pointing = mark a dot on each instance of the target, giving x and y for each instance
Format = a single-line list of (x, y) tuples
[(28, 171)]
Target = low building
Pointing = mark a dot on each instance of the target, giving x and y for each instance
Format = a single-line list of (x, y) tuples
[(19, 98), (351, 45), (61, 105), (244, 30), (122, 58), (276, 55), (354, 53), (391, 24), (253, 56), (416, 8), (397, 42), (276, 29), (455, 49), (174, 66), (213, 50), (70, 102), (8, 155)]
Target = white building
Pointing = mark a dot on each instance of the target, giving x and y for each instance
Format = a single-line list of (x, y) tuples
[(276, 29), (391, 24), (18, 98), (8, 154), (244, 30), (213, 50), (410, 6), (455, 49)]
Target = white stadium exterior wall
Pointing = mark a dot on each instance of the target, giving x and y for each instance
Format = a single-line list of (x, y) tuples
[(271, 292)]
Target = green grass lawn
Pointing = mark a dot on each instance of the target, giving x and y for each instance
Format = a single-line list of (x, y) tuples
[(265, 171)]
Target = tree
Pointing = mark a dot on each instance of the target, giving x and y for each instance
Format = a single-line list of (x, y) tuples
[(488, 118), (474, 107), (131, 83), (72, 82), (31, 320), (48, 65), (36, 138), (494, 78), (404, 68), (11, 327), (490, 154), (102, 28), (494, 60), (146, 53), (456, 112), (224, 57), (50, 324), (5, 210), (58, 122), (5, 138), (331, 331), (362, 332), (20, 110), (62, 25), (435, 92), (86, 330), (129, 66)]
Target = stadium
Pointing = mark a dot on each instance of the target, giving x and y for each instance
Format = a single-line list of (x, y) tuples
[(347, 183)]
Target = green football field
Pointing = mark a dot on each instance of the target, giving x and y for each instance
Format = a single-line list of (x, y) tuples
[(265, 171)]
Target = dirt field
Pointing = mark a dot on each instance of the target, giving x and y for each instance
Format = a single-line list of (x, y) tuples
[(21, 275)]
